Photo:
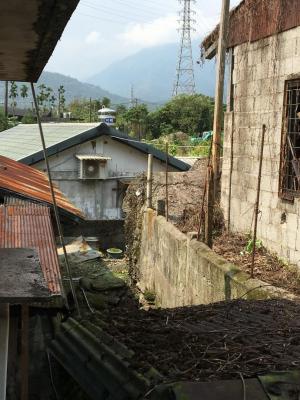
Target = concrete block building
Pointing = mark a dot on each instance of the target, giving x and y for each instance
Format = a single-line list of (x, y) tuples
[(264, 88)]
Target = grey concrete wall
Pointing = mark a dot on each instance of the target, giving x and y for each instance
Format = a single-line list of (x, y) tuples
[(98, 199), (186, 272), (259, 75)]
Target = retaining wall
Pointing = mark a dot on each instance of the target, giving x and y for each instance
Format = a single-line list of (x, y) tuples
[(182, 271)]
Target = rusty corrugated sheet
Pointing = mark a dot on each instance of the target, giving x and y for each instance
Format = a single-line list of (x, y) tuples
[(28, 182), (29, 226), (253, 20)]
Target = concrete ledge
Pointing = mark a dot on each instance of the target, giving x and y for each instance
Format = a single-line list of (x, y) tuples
[(183, 271)]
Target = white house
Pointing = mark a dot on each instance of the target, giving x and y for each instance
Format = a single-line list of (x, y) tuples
[(92, 164)]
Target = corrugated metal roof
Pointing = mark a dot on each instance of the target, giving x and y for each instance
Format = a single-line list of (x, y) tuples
[(62, 136), (254, 20), (29, 226), (30, 183), (29, 136)]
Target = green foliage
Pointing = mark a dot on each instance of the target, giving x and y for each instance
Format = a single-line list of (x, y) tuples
[(86, 109), (13, 94), (29, 118), (250, 245), (61, 98), (106, 102), (134, 120), (189, 114), (3, 121), (24, 91)]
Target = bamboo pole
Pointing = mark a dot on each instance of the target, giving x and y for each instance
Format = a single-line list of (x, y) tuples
[(149, 180), (204, 193), (256, 212), (55, 208), (167, 181)]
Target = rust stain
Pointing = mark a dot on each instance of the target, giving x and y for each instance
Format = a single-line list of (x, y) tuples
[(28, 225), (253, 20), (33, 184)]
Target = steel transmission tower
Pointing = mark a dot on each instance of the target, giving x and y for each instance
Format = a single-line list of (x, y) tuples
[(185, 80)]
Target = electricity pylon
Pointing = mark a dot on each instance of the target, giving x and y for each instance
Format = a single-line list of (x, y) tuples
[(185, 80)]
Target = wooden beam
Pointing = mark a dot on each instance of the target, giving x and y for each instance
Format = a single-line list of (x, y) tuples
[(211, 52)]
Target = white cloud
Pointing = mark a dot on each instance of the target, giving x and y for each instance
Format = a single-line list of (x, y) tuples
[(93, 37), (159, 31)]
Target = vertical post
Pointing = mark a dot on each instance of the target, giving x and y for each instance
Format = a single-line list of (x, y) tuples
[(167, 181), (6, 99), (55, 208), (90, 109), (24, 352), (58, 106), (209, 215), (213, 181), (256, 211), (230, 176), (149, 180), (219, 94), (4, 336)]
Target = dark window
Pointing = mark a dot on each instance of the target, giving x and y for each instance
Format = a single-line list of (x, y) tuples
[(290, 151)]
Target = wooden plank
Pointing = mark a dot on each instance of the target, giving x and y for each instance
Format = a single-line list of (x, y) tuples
[(22, 278)]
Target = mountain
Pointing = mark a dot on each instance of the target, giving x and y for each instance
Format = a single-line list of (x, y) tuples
[(152, 71), (73, 87)]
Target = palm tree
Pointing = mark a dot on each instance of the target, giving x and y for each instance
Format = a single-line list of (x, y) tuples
[(13, 94)]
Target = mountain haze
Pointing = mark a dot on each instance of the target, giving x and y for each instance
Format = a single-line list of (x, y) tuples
[(152, 71), (74, 89)]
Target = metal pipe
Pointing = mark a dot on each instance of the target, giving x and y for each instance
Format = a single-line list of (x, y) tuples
[(55, 208), (256, 212)]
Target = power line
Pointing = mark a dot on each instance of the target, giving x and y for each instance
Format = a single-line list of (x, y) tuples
[(113, 21), (144, 6), (113, 11)]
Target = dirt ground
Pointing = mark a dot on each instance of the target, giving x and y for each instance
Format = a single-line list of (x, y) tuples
[(209, 342), (267, 267)]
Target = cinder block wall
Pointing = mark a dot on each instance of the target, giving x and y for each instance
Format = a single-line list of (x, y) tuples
[(186, 272), (259, 74)]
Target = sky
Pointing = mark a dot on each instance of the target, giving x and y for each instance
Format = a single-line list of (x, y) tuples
[(101, 32)]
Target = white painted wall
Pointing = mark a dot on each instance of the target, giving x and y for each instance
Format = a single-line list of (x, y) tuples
[(260, 71), (98, 199)]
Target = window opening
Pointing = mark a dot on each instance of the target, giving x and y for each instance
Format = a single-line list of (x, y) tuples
[(290, 158)]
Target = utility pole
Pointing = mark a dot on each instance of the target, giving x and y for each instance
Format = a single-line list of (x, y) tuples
[(90, 110), (6, 99), (185, 79), (213, 182)]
